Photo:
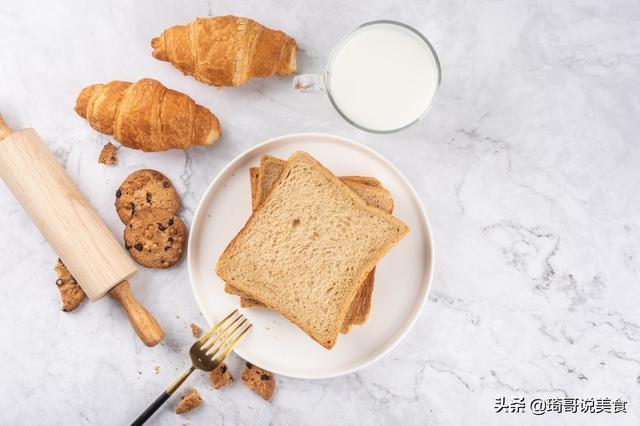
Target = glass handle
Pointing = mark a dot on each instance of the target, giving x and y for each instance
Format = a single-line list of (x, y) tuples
[(309, 83)]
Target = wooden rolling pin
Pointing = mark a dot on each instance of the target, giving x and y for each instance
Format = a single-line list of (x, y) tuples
[(73, 228)]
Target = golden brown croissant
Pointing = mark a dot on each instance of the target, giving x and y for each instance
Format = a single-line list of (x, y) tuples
[(146, 115), (226, 50)]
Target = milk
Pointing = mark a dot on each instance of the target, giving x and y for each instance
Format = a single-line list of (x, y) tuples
[(383, 77)]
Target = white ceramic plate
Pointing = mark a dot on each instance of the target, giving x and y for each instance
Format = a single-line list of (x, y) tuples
[(401, 282)]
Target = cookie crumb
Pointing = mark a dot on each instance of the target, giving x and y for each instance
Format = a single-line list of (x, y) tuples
[(220, 377), (189, 401), (71, 293), (260, 381), (108, 154), (157, 368), (195, 330)]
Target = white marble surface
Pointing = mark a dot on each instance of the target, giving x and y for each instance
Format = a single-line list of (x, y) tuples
[(527, 165)]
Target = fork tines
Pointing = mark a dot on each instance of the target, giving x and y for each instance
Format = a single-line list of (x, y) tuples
[(223, 337)]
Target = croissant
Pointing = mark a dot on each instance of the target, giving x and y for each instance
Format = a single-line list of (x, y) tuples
[(226, 50), (146, 115)]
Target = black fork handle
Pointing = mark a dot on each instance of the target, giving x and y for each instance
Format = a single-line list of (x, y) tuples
[(151, 409), (162, 398)]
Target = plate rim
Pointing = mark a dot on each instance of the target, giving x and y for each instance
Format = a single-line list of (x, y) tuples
[(406, 327)]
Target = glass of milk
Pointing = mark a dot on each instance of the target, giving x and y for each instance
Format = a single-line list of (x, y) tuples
[(382, 78)]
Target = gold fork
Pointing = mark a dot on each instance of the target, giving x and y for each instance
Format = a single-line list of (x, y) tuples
[(207, 353)]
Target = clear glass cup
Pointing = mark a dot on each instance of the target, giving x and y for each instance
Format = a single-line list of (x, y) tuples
[(321, 83)]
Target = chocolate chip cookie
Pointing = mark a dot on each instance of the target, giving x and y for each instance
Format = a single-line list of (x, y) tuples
[(108, 154), (71, 293), (155, 238), (144, 189), (189, 401), (259, 380), (220, 377)]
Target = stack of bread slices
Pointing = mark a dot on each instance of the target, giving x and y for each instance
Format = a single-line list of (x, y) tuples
[(310, 248)]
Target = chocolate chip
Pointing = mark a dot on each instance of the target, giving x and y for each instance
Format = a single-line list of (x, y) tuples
[(170, 222), (139, 247), (148, 197), (127, 246), (118, 193), (167, 248), (165, 184), (59, 282), (264, 377), (133, 208), (248, 364), (161, 227), (223, 369)]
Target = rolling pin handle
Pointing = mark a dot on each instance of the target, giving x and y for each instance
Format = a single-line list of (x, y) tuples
[(5, 130), (144, 324)]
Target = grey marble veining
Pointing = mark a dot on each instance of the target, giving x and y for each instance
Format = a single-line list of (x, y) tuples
[(527, 166)]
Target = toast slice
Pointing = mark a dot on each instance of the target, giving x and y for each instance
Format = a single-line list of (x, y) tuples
[(322, 240), (366, 187), (361, 304)]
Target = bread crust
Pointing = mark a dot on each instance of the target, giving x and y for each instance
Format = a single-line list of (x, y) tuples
[(270, 170), (254, 175)]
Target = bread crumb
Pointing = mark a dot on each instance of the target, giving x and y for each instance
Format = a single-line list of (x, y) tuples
[(220, 377), (71, 293), (108, 154), (195, 330), (260, 381), (189, 401)]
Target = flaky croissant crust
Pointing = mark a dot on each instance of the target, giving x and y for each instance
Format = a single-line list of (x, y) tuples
[(146, 115), (226, 50)]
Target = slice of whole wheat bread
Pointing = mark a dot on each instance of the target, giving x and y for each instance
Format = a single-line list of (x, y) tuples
[(366, 187), (360, 307), (305, 251)]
